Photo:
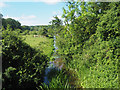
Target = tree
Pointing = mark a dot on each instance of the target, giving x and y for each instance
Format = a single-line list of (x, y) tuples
[(13, 23), (23, 66), (1, 20), (56, 24), (109, 23)]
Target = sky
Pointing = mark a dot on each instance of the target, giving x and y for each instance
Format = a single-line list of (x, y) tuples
[(32, 13)]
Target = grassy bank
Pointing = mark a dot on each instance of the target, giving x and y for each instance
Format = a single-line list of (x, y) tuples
[(40, 43)]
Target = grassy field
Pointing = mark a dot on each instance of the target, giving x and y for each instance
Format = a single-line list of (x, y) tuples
[(40, 43)]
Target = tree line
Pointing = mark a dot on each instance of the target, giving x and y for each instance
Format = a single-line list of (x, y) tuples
[(24, 29)]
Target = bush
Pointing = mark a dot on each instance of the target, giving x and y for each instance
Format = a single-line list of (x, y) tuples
[(23, 66)]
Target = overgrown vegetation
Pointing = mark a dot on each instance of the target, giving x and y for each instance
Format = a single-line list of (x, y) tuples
[(23, 66), (88, 43), (23, 60)]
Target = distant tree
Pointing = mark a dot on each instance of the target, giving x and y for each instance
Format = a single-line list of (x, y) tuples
[(26, 32), (56, 24), (13, 23), (43, 31), (25, 27), (1, 20), (56, 21), (1, 15)]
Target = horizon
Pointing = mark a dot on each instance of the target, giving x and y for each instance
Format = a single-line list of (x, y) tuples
[(32, 13)]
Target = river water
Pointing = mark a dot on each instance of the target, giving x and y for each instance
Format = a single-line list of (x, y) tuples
[(52, 64), (58, 64)]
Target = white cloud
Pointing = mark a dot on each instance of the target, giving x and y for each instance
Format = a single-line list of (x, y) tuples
[(16, 18), (28, 17), (58, 13), (52, 18), (59, 16), (21, 17), (16, 0), (26, 20), (49, 1), (2, 4), (45, 1), (55, 1)]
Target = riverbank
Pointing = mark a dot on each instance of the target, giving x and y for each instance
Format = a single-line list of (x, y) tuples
[(57, 75)]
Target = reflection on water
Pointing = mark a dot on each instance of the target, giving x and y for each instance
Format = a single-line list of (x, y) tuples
[(56, 64), (47, 70), (59, 64)]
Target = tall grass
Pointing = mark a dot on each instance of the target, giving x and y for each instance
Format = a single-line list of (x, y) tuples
[(58, 81)]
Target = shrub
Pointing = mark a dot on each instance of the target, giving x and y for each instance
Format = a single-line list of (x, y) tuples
[(23, 66)]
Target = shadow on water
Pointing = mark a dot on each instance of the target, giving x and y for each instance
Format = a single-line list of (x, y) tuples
[(57, 65), (52, 66)]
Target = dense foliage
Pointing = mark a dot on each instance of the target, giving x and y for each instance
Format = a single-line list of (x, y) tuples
[(23, 66), (13, 23), (89, 42)]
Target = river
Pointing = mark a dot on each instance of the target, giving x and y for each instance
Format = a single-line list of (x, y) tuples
[(58, 64), (53, 64)]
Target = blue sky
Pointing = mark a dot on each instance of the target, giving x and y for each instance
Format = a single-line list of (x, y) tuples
[(32, 13)]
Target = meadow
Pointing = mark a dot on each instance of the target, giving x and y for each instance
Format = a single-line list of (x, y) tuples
[(42, 43)]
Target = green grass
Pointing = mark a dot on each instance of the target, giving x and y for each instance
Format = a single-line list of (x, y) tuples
[(44, 44), (58, 80)]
